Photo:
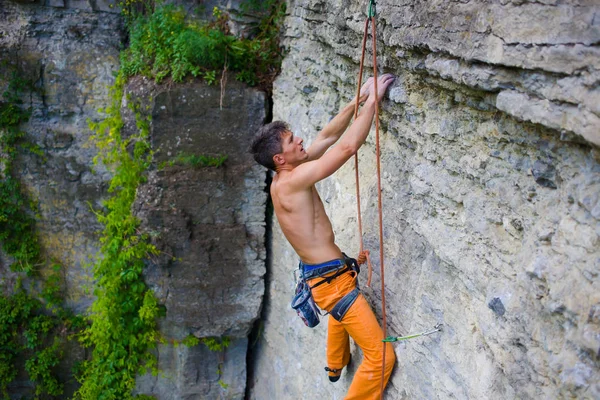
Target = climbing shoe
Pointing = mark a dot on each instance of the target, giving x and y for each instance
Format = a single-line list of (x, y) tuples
[(337, 372)]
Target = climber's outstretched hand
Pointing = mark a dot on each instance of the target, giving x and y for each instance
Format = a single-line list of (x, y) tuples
[(383, 82)]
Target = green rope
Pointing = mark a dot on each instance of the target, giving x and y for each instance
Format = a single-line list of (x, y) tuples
[(372, 8), (437, 328)]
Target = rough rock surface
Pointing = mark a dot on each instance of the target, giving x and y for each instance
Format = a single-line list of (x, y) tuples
[(491, 195), (242, 17), (70, 50), (84, 5), (209, 224), (70, 56), (198, 373)]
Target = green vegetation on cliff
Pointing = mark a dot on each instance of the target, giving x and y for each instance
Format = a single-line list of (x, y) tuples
[(165, 43), (195, 161), (33, 335), (34, 327), (123, 317), (122, 329), (17, 233)]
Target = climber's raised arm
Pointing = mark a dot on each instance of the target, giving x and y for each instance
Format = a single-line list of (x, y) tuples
[(308, 173), (337, 126)]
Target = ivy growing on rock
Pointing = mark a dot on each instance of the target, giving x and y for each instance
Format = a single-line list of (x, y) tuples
[(36, 332), (216, 343), (17, 225), (123, 317)]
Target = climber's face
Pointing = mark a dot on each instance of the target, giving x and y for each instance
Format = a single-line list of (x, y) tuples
[(292, 151)]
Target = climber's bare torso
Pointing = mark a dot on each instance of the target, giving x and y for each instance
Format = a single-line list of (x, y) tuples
[(303, 220)]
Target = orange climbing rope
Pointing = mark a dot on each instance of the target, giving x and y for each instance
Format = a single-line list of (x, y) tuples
[(365, 254)]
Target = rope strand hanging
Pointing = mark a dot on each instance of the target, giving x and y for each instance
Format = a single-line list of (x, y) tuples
[(365, 254)]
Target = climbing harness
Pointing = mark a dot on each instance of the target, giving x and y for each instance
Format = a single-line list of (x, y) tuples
[(341, 307), (303, 301), (436, 328)]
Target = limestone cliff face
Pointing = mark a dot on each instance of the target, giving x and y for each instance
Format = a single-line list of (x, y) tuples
[(491, 183), (491, 196), (70, 56), (209, 223)]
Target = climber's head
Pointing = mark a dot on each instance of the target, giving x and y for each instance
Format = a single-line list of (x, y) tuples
[(275, 146), (267, 143)]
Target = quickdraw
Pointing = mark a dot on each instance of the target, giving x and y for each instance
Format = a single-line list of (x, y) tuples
[(436, 328)]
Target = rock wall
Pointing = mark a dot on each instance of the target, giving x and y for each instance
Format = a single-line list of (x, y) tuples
[(491, 196), (209, 224), (70, 56)]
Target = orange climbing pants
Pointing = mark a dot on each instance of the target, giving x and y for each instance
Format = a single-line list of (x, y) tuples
[(361, 324)]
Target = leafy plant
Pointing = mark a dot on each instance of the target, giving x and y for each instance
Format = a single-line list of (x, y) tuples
[(132, 8), (210, 77), (198, 160), (165, 44), (25, 330), (215, 343), (40, 366), (16, 224), (123, 316), (190, 341), (222, 384)]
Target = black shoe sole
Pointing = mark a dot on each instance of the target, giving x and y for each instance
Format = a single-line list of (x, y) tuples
[(337, 378)]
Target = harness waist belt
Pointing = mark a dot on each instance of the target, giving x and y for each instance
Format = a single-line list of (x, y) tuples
[(342, 306), (310, 271)]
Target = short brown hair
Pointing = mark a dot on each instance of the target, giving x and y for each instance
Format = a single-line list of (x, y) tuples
[(267, 143)]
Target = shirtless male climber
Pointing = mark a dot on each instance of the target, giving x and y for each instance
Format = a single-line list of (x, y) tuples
[(305, 224)]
